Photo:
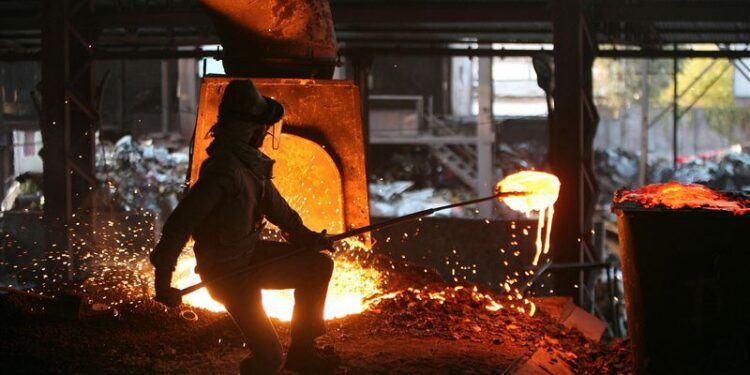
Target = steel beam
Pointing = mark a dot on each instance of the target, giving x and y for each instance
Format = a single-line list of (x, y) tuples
[(158, 54), (377, 50), (362, 13), (671, 54), (572, 125), (485, 138), (67, 133), (361, 66), (669, 11), (411, 12), (152, 19)]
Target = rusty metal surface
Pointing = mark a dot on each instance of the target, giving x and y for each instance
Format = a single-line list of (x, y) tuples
[(322, 111), (275, 38)]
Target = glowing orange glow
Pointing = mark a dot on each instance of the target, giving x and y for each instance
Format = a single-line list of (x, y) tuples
[(676, 195), (349, 292), (543, 189), (310, 181), (306, 175), (185, 276)]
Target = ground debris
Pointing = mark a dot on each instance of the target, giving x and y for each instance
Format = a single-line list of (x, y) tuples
[(419, 325)]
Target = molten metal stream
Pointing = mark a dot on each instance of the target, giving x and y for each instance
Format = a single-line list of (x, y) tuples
[(543, 189)]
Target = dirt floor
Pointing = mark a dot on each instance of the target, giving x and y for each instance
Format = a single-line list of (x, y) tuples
[(424, 327)]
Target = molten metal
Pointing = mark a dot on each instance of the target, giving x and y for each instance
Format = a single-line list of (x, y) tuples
[(349, 292), (543, 189), (676, 195)]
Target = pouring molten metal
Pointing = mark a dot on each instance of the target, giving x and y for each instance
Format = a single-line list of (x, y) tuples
[(676, 195), (543, 189)]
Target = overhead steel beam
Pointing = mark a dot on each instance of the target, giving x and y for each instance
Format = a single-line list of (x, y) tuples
[(706, 11), (156, 54), (21, 21), (131, 54), (439, 51), (444, 39), (152, 19), (146, 54), (669, 54), (425, 140), (353, 13), (411, 12)]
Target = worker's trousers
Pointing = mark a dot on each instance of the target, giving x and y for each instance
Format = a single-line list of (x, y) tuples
[(308, 273)]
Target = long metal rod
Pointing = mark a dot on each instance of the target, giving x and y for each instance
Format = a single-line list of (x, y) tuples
[(675, 115), (351, 233)]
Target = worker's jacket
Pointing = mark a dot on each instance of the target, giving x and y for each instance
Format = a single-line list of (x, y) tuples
[(224, 212)]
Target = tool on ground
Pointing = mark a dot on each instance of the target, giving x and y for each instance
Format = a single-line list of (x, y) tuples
[(63, 305), (352, 233)]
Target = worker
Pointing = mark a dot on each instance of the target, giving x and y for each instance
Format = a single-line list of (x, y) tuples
[(225, 212)]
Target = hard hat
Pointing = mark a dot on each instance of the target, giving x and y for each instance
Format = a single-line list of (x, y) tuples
[(243, 102)]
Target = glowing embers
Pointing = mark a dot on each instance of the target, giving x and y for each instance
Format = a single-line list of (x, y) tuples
[(349, 292), (676, 195), (543, 189), (184, 276)]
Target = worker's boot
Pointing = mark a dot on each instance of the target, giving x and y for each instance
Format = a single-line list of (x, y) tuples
[(308, 359), (252, 366)]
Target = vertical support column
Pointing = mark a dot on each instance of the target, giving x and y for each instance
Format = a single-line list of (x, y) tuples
[(6, 155), (645, 93), (675, 114), (164, 96), (572, 127), (187, 95), (68, 122), (120, 97), (361, 64), (485, 138)]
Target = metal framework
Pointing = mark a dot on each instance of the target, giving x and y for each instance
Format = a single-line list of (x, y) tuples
[(68, 121), (156, 28), (572, 129)]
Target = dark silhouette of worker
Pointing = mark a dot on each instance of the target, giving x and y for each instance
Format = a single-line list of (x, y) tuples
[(224, 212)]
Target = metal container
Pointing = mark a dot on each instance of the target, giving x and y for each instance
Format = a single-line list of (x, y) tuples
[(275, 38), (686, 289)]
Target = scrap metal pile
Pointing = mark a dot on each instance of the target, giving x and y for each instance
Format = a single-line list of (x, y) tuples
[(141, 175), (619, 168)]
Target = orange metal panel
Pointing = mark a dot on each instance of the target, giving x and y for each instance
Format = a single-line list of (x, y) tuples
[(322, 140)]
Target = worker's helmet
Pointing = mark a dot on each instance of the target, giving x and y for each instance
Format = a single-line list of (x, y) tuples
[(243, 102)]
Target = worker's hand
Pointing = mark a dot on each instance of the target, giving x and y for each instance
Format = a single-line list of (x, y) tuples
[(169, 296), (313, 240), (322, 241), (163, 285)]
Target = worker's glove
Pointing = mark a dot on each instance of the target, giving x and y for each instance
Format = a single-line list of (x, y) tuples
[(164, 291), (170, 296), (313, 240), (322, 241)]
